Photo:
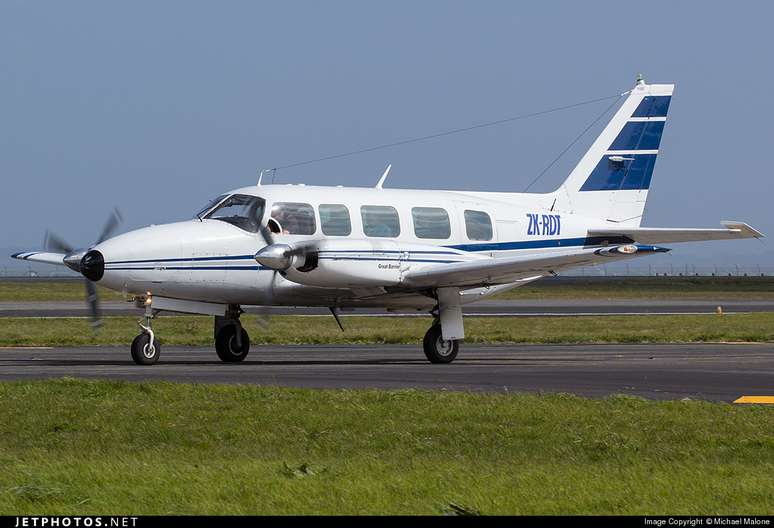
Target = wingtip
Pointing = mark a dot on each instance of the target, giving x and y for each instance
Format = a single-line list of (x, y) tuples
[(744, 228)]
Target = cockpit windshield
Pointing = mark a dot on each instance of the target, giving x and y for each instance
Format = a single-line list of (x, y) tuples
[(212, 203), (241, 210)]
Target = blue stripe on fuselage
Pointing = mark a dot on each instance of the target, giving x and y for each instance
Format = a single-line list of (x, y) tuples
[(541, 244), (478, 247)]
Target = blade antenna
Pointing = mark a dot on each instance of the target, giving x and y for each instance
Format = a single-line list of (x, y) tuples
[(384, 176)]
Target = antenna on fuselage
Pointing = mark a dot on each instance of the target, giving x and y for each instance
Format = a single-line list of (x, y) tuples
[(384, 176), (264, 171)]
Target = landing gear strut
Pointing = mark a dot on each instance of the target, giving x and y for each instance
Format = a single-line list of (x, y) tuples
[(146, 349), (442, 340), (232, 343)]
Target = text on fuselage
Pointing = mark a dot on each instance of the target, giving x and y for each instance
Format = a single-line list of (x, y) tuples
[(542, 224)]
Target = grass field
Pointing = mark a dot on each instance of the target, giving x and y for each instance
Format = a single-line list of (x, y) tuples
[(86, 447), (701, 288), (29, 290), (194, 330)]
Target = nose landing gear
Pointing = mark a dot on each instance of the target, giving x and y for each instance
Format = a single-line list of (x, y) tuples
[(146, 349)]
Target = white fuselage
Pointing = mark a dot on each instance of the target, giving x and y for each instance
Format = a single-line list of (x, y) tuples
[(213, 261)]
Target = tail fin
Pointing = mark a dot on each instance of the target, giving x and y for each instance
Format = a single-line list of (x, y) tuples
[(611, 181)]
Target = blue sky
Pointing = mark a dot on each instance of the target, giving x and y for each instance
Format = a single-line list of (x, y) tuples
[(155, 107)]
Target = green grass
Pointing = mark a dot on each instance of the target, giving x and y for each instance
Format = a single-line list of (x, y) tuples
[(698, 288), (30, 290), (194, 330), (88, 447)]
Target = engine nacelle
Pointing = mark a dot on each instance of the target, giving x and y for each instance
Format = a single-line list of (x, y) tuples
[(366, 263)]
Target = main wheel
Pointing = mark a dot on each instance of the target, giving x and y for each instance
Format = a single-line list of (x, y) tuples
[(143, 352), (437, 350), (226, 344)]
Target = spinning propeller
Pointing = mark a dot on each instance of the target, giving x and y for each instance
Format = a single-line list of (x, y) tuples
[(279, 257), (88, 262)]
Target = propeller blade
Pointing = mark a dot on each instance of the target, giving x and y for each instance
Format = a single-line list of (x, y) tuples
[(92, 300), (263, 317), (267, 235), (56, 245), (110, 226)]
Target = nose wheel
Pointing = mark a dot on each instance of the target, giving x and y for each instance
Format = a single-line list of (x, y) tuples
[(146, 349)]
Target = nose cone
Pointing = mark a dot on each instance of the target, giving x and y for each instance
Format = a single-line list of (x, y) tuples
[(274, 256), (93, 265)]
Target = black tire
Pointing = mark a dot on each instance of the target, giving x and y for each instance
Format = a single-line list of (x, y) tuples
[(141, 353), (226, 344), (436, 349)]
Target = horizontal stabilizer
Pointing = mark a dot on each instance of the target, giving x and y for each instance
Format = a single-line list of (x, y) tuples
[(41, 256), (665, 235)]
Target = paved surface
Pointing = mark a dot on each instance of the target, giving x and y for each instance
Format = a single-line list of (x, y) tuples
[(482, 308), (706, 371)]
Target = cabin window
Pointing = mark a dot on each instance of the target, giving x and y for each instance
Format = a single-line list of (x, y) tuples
[(334, 220), (380, 221), (293, 218), (241, 210), (478, 225), (431, 222)]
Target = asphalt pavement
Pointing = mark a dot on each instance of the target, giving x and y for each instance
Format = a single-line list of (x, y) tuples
[(662, 371)]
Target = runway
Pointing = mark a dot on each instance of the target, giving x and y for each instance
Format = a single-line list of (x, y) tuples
[(720, 372), (498, 308)]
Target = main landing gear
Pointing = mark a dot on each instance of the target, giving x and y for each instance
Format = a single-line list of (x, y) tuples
[(437, 349), (442, 341), (232, 343)]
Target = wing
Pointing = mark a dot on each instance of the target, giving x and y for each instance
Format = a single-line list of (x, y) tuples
[(662, 235), (41, 256), (501, 270)]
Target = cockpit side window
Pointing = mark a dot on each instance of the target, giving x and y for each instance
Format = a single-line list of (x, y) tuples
[(291, 218), (241, 210)]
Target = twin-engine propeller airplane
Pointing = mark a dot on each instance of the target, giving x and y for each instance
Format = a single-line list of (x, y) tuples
[(341, 247)]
